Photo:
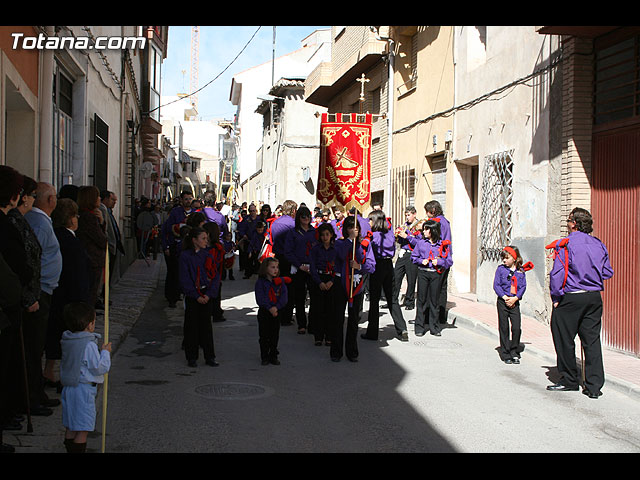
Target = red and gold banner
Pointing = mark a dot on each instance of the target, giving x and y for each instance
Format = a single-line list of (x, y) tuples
[(344, 175)]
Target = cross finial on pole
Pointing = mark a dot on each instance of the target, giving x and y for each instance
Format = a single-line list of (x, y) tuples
[(362, 81)]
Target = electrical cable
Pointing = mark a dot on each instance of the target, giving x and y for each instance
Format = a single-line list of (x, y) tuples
[(214, 79), (481, 98)]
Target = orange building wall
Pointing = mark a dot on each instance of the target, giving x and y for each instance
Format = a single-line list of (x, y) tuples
[(25, 61)]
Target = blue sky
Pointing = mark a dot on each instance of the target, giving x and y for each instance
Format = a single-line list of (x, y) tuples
[(219, 45)]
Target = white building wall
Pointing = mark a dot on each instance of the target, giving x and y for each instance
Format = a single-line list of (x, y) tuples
[(514, 119), (256, 81)]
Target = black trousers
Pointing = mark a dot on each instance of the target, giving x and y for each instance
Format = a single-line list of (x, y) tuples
[(286, 314), (172, 279), (252, 264), (383, 278), (268, 334), (341, 342), (429, 285), (323, 308), (198, 330), (301, 282), (509, 341), (404, 266), (12, 386), (34, 328), (442, 298), (581, 314), (217, 314)]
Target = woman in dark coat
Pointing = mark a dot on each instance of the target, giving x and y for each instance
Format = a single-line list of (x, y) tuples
[(73, 285), (92, 234), (13, 253)]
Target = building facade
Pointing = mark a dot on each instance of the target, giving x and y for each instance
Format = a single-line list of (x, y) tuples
[(74, 113), (600, 141)]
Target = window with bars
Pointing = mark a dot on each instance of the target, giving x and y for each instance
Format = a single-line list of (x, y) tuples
[(496, 227)]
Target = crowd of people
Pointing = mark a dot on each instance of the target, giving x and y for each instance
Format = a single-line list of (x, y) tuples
[(312, 266), (55, 248), (316, 267)]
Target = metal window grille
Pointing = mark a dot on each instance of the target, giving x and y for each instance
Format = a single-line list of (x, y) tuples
[(403, 188), (496, 226)]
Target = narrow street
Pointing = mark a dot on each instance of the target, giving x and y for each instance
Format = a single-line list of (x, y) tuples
[(446, 394)]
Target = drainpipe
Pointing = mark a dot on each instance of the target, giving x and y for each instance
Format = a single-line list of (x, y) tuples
[(45, 170), (387, 200)]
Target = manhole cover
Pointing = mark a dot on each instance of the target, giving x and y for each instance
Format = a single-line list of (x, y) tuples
[(438, 343), (232, 391)]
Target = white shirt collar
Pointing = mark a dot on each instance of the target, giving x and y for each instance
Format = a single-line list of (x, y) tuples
[(41, 212)]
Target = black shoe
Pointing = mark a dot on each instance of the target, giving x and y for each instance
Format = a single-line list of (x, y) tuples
[(212, 362), (353, 359), (5, 448), (12, 425), (516, 360), (558, 387), (404, 336), (335, 359), (364, 335), (192, 363), (40, 411), (437, 334), (591, 394), (508, 361), (51, 402), (274, 361), (419, 334), (264, 362)]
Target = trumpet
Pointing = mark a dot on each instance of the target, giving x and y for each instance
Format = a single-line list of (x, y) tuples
[(415, 226)]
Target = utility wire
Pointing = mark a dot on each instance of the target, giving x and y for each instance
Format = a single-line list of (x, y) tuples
[(486, 96), (214, 79)]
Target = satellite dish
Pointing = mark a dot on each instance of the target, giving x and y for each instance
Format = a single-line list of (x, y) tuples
[(306, 174)]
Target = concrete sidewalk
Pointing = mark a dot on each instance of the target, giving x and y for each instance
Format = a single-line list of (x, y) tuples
[(622, 370)]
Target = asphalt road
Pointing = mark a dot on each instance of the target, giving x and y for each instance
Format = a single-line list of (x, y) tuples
[(430, 395)]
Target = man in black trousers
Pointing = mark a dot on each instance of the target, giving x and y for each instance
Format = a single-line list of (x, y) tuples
[(580, 266)]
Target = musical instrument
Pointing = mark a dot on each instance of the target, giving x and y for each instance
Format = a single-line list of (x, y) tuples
[(414, 228)]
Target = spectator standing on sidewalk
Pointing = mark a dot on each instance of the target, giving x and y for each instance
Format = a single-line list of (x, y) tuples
[(36, 323), (73, 285), (92, 233), (13, 253), (580, 266), (82, 367)]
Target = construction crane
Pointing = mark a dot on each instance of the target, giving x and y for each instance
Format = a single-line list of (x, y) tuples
[(195, 59)]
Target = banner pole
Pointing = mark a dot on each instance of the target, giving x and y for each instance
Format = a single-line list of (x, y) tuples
[(106, 340)]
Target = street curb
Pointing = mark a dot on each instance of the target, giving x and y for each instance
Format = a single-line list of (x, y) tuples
[(126, 307), (622, 386)]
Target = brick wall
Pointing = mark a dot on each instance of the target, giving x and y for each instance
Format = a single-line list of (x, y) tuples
[(577, 122)]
